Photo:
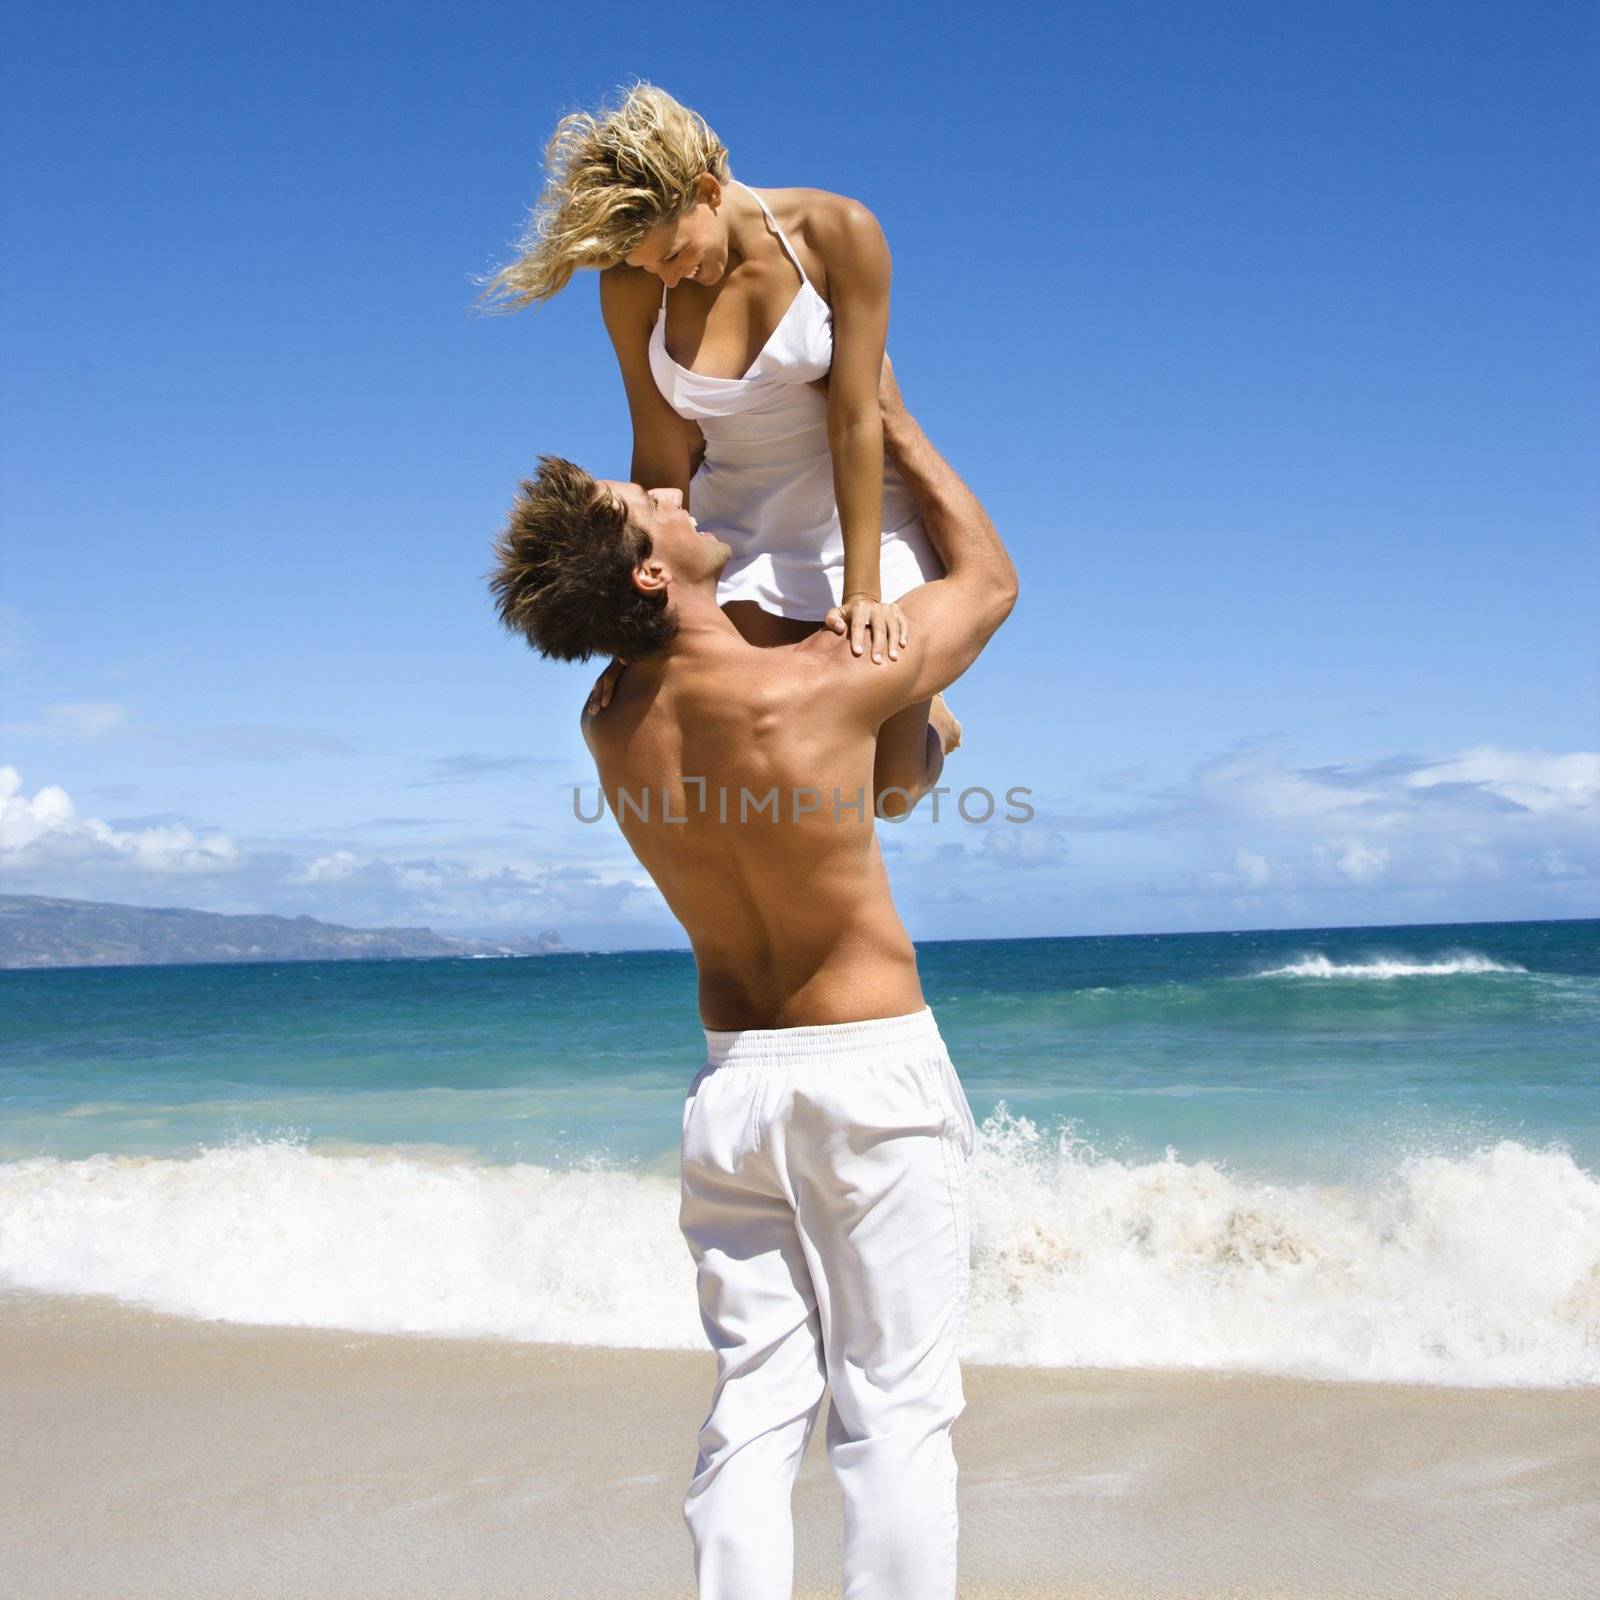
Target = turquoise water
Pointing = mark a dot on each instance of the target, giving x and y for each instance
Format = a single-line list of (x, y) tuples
[(1369, 1153), (1139, 1042)]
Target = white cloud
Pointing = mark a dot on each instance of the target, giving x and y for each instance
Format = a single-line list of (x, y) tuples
[(47, 831), (1255, 870), (1482, 817), (46, 847), (1022, 843), (452, 892), (1533, 779), (1251, 872), (327, 869), (1257, 784), (1355, 861), (1560, 865), (1257, 781)]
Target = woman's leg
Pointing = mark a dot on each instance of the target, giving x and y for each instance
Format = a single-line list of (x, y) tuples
[(910, 759), (762, 628)]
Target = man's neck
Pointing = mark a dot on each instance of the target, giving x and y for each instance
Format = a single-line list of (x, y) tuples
[(703, 628)]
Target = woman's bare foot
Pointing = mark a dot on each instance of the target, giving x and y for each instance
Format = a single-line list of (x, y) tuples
[(943, 720)]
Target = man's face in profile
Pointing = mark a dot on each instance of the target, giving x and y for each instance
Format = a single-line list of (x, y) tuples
[(676, 541)]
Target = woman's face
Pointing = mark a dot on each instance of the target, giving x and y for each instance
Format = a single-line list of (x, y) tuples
[(692, 249)]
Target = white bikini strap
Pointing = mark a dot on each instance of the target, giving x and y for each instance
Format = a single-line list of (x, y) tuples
[(783, 238)]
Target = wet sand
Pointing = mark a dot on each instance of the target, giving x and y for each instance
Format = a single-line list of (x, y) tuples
[(153, 1456)]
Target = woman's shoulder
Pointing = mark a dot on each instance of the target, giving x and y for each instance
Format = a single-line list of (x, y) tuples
[(629, 295), (825, 218), (839, 236)]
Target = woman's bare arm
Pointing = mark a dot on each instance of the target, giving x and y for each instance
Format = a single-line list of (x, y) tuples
[(665, 445), (856, 256)]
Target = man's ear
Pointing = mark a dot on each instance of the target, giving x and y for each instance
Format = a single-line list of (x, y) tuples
[(651, 576)]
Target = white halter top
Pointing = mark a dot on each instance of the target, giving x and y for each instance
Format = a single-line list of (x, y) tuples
[(765, 485), (773, 398)]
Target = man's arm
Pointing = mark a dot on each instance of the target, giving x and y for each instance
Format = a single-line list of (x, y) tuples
[(951, 619)]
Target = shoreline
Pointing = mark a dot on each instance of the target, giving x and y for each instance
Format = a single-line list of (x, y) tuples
[(155, 1455)]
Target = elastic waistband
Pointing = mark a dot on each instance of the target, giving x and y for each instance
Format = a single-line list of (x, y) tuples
[(827, 1041)]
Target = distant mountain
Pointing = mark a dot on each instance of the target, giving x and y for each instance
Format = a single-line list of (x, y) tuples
[(36, 931)]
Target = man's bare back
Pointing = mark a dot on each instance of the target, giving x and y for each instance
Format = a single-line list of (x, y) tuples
[(772, 865)]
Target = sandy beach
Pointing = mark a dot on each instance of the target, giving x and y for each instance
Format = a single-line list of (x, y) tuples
[(154, 1456)]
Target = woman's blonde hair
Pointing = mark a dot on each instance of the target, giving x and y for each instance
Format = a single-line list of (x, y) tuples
[(609, 179)]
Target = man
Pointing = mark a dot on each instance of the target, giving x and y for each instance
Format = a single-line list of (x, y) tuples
[(826, 1139)]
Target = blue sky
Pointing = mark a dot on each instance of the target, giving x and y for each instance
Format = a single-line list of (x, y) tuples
[(1266, 331)]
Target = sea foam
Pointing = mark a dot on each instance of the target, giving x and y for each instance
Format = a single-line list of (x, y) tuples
[(1446, 966), (1470, 1270)]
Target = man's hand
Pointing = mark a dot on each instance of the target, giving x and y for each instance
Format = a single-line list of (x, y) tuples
[(882, 623), (604, 686)]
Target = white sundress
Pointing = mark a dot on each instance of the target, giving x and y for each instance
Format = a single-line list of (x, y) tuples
[(765, 485)]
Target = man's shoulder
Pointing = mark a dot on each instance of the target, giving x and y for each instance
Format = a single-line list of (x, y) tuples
[(826, 659), (822, 651), (831, 652)]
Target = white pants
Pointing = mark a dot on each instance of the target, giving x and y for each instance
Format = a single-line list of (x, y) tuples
[(825, 1204)]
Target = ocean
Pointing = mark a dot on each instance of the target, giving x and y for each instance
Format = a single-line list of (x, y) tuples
[(1355, 1154)]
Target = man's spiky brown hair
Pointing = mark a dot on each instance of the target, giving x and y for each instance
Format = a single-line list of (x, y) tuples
[(564, 571)]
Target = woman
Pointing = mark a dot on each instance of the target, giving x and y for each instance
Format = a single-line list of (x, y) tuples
[(750, 329)]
